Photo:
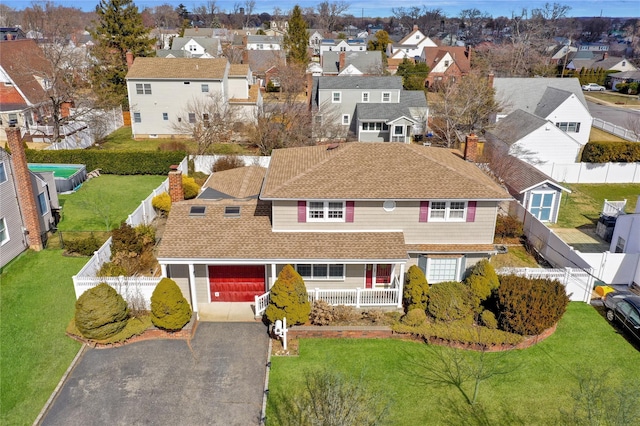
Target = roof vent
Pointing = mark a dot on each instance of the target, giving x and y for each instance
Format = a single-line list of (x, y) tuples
[(197, 210), (332, 146)]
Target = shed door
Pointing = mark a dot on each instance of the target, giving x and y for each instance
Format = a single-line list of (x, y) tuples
[(542, 205), (236, 283)]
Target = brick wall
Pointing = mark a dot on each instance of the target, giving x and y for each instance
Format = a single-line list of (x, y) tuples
[(26, 197)]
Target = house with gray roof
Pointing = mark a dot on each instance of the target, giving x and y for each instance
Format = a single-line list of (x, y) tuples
[(533, 139), (352, 63), (558, 100), (350, 218), (624, 77), (369, 108), (197, 47)]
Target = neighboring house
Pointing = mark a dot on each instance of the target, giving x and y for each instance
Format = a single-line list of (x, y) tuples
[(624, 77), (533, 139), (11, 33), (164, 36), (263, 42), (626, 234), (560, 57), (559, 100), (351, 218), (352, 63), (374, 109), (340, 45), (161, 91), (410, 46), (446, 63), (315, 38), (23, 96), (198, 47), (536, 191), (260, 61), (28, 202), (592, 47), (588, 60)]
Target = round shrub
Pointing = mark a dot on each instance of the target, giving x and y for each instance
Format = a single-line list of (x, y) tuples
[(189, 187), (482, 281), (83, 246), (529, 306), (488, 319), (169, 309), (111, 269), (162, 202), (416, 290), (227, 162), (414, 317), (101, 312), (450, 301), (288, 298)]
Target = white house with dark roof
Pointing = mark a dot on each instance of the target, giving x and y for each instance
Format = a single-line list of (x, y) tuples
[(341, 45), (161, 91), (558, 100), (410, 46), (533, 139), (197, 47), (372, 108), (351, 218)]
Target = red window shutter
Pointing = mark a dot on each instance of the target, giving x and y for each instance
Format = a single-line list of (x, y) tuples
[(471, 211), (424, 211), (302, 211), (350, 208)]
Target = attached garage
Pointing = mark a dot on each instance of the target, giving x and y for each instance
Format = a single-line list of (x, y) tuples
[(236, 283)]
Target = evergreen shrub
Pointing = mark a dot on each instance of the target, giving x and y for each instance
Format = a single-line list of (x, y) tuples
[(414, 317), (288, 298), (461, 332), (611, 152), (488, 319), (450, 301), (482, 281), (169, 309), (529, 306), (100, 312), (416, 290), (162, 203), (189, 187), (83, 246)]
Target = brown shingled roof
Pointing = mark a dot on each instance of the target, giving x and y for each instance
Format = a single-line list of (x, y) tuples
[(23, 60), (241, 182), (238, 70), (214, 236), (459, 54), (178, 68), (363, 170)]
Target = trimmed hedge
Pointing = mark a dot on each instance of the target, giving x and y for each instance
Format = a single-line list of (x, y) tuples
[(611, 152), (460, 332), (450, 301), (111, 162)]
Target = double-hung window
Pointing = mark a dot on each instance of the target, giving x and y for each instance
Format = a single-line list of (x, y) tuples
[(3, 173), (336, 97), (137, 118), (192, 117), (386, 96), (143, 88), (42, 203), (326, 211), (451, 211), (4, 233), (204, 88), (365, 96), (345, 119), (569, 127)]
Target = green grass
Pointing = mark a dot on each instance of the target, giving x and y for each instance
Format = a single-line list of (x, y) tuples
[(36, 303), (103, 202), (537, 388), (583, 206), (121, 140), (615, 98)]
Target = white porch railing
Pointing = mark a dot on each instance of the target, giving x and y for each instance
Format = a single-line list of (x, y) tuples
[(613, 208), (578, 282), (357, 297)]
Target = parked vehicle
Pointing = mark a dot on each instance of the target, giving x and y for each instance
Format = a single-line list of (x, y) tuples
[(624, 308), (593, 87)]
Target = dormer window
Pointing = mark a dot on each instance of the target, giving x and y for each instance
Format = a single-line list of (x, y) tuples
[(197, 210)]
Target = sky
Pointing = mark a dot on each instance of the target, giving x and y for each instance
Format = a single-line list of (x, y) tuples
[(382, 8)]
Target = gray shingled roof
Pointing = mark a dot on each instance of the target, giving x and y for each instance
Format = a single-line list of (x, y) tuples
[(551, 100), (515, 126), (355, 82), (526, 93), (363, 61), (412, 103), (210, 45), (521, 176)]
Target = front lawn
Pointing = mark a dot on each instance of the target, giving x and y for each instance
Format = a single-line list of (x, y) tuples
[(36, 303), (103, 202), (539, 385), (583, 206)]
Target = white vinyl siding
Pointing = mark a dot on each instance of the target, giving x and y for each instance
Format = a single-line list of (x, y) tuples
[(143, 88), (326, 211), (450, 211)]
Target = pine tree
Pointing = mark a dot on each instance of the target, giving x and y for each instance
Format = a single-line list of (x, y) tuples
[(296, 40), (118, 29)]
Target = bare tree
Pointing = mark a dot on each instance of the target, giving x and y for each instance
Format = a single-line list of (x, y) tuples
[(208, 120), (329, 13), (461, 107), (249, 7), (8, 16)]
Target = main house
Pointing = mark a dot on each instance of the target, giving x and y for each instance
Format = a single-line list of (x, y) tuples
[(166, 91), (351, 218), (369, 108)]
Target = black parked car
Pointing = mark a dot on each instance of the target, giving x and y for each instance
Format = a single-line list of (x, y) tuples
[(624, 308)]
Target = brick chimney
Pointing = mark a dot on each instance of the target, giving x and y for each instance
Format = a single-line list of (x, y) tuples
[(26, 197), (343, 58), (129, 59), (415, 27), (471, 148), (605, 55), (175, 185), (490, 80)]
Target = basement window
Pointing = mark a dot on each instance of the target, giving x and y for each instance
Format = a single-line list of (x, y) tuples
[(197, 211), (232, 211)]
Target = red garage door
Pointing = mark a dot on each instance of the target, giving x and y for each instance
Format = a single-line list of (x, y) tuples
[(236, 283)]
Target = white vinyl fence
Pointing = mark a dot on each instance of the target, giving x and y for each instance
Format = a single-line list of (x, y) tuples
[(204, 163), (577, 282), (615, 130), (615, 268), (592, 172)]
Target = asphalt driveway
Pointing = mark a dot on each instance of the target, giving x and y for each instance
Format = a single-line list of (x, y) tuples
[(163, 382)]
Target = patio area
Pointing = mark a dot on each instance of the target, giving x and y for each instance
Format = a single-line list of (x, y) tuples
[(583, 239)]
